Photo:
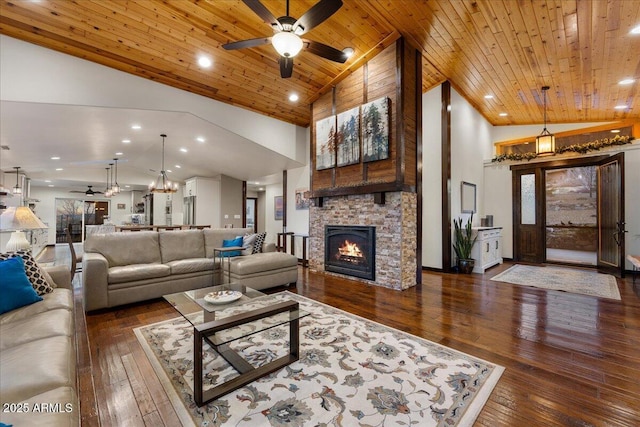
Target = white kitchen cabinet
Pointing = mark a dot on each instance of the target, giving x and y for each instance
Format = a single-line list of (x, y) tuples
[(487, 251)]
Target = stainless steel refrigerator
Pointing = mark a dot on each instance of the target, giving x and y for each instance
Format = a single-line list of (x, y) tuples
[(189, 210)]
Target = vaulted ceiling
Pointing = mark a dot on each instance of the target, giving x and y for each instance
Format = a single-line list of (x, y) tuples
[(508, 49)]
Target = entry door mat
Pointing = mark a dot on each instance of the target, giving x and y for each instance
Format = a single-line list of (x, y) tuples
[(351, 372), (564, 279)]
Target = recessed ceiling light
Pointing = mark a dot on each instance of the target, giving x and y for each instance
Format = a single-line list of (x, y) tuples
[(620, 107), (178, 166), (136, 127), (47, 180), (204, 62), (635, 30), (50, 185), (126, 141), (184, 150), (200, 139), (488, 97), (503, 114), (127, 186), (55, 158), (615, 131), (293, 97), (59, 169), (169, 170), (626, 81), (119, 153)]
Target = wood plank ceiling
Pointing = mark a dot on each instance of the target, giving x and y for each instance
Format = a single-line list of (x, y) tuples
[(508, 49)]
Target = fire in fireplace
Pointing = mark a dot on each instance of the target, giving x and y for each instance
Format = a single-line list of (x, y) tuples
[(350, 250)]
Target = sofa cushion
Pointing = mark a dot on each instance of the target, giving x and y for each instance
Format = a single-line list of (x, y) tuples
[(40, 281), (66, 413), (15, 290), (191, 265), (141, 247), (262, 262), (59, 298), (183, 244), (213, 237), (259, 242), (43, 325), (131, 273), (36, 367)]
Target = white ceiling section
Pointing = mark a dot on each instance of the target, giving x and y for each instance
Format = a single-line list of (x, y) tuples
[(53, 104)]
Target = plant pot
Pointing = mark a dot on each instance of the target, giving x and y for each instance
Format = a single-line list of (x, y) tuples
[(466, 265)]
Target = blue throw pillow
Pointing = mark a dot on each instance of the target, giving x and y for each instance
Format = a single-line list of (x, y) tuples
[(231, 243), (15, 289)]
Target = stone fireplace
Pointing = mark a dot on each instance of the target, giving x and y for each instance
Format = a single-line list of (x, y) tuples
[(350, 250), (394, 265)]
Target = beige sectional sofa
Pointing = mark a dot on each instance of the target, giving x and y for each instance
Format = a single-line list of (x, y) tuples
[(121, 268), (38, 383)]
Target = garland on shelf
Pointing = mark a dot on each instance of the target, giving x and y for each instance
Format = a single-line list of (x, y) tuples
[(576, 148)]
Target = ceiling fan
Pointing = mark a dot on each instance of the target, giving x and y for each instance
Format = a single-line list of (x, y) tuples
[(89, 191), (287, 31)]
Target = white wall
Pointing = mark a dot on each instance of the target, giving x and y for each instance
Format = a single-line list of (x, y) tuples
[(431, 178), (28, 74)]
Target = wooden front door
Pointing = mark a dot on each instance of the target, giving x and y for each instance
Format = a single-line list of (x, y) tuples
[(528, 215), (611, 215)]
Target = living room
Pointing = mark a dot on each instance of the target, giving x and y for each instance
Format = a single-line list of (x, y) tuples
[(36, 77)]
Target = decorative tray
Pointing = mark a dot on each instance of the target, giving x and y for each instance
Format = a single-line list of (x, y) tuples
[(222, 297)]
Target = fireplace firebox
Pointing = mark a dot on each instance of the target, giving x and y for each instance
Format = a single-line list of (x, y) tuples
[(350, 250)]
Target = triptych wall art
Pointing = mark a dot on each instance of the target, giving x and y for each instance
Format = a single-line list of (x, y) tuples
[(359, 133)]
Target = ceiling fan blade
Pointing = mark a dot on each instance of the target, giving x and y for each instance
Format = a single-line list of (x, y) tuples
[(286, 67), (325, 51), (247, 43), (260, 10), (316, 15)]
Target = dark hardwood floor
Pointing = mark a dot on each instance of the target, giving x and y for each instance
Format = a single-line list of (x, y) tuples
[(570, 360)]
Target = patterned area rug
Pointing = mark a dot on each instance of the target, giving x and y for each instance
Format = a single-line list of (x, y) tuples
[(562, 279), (351, 372)]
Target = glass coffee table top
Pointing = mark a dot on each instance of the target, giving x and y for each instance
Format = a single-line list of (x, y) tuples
[(205, 305)]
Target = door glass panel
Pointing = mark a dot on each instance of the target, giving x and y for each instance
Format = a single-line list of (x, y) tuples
[(68, 217), (528, 199)]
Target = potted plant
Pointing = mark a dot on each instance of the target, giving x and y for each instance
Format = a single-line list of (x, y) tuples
[(464, 241)]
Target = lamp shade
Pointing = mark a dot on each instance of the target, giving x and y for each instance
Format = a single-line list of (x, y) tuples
[(545, 143), (18, 219), (286, 44)]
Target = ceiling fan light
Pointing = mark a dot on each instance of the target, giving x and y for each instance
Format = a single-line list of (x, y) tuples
[(286, 44)]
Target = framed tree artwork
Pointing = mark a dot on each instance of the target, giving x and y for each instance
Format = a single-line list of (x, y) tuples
[(325, 143), (375, 130), (347, 137)]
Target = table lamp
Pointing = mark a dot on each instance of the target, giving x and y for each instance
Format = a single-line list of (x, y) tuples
[(18, 219)]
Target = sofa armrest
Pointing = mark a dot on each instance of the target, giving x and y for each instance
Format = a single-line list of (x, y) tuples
[(269, 247), (95, 271), (60, 274)]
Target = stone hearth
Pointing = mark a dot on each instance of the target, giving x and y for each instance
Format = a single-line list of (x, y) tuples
[(396, 234)]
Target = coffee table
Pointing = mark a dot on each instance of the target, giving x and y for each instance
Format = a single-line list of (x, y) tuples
[(254, 309)]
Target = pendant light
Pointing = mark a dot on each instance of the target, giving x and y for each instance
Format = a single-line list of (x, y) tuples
[(545, 142), (115, 188), (109, 191), (162, 183), (17, 190)]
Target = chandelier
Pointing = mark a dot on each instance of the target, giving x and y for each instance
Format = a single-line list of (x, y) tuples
[(162, 184), (545, 142)]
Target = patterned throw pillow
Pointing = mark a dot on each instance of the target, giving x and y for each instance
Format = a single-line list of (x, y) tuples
[(248, 240), (257, 245), (31, 267)]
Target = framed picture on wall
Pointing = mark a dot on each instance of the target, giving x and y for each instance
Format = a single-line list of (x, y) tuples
[(325, 143), (347, 138), (375, 130), (302, 201), (278, 204)]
